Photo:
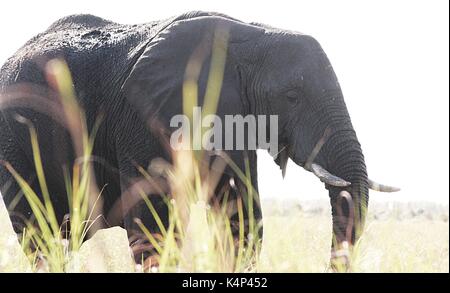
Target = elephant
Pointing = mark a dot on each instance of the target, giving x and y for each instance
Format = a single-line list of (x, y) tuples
[(133, 76)]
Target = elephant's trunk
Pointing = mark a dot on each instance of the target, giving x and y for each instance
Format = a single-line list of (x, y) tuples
[(344, 158), (341, 155), (347, 161)]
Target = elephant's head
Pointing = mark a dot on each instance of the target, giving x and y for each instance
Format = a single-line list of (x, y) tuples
[(271, 72), (289, 75), (294, 79)]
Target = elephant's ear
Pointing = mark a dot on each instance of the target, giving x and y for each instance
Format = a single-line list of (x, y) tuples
[(154, 85)]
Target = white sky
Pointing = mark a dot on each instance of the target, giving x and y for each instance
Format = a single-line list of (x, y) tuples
[(391, 58)]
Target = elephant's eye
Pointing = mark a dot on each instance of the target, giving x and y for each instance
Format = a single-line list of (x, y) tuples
[(293, 96)]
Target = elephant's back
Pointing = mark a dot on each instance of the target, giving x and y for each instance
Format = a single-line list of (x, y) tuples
[(81, 34), (79, 20), (85, 38), (97, 52)]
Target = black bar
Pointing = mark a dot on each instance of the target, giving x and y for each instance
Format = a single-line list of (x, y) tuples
[(227, 282)]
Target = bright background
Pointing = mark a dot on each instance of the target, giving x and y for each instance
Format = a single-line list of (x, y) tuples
[(391, 58)]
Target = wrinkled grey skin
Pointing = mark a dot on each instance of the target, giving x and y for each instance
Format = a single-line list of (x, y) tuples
[(133, 75)]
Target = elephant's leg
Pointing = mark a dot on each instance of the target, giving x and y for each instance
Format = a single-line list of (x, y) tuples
[(136, 212), (15, 201), (239, 191), (257, 210)]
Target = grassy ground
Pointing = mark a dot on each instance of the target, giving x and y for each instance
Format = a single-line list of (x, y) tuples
[(399, 238)]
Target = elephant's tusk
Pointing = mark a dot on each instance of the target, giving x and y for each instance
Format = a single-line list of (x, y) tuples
[(382, 188), (327, 177), (282, 159)]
